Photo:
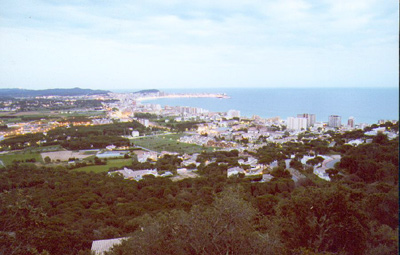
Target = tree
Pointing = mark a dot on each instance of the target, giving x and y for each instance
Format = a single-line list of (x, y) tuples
[(315, 161), (324, 220), (224, 228), (47, 159), (380, 138), (266, 160), (280, 172), (296, 164)]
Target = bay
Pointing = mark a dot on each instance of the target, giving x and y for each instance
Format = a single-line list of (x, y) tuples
[(366, 105)]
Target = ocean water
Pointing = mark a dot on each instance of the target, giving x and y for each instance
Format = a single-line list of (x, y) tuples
[(366, 105)]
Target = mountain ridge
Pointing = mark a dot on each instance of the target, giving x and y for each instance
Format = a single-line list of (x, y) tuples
[(12, 92)]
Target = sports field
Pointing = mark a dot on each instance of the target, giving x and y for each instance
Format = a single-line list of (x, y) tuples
[(119, 163), (7, 159), (168, 143)]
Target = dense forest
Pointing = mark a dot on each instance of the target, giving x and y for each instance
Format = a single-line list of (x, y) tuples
[(58, 211)]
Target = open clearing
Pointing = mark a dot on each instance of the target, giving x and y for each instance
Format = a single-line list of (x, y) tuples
[(119, 163), (65, 155), (7, 159), (168, 143)]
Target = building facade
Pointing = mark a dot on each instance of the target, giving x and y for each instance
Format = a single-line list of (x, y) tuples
[(294, 123), (350, 122), (334, 121), (310, 118)]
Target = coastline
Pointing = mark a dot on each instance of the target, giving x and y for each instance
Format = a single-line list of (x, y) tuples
[(173, 96), (362, 104)]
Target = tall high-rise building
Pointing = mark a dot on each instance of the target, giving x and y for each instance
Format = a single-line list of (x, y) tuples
[(310, 118), (296, 123), (334, 121), (350, 122)]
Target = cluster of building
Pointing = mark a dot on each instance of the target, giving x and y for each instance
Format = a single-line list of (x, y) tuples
[(50, 103), (248, 166), (301, 122), (223, 130), (130, 103), (43, 126), (29, 127), (306, 121)]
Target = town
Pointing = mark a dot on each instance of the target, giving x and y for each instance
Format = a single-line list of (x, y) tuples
[(124, 162), (188, 127)]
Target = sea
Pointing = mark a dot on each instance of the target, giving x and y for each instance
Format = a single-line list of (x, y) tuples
[(366, 105)]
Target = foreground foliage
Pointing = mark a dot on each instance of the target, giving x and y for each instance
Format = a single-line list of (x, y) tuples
[(56, 211), (227, 226)]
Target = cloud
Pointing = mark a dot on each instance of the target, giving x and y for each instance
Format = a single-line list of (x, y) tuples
[(201, 43)]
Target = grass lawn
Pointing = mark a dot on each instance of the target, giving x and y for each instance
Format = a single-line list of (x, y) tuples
[(22, 156), (94, 152), (169, 143), (104, 168)]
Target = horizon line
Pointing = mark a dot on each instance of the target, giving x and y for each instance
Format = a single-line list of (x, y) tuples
[(223, 87)]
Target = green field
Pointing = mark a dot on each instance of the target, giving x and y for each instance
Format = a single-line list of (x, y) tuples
[(169, 143), (104, 168), (7, 159), (44, 149)]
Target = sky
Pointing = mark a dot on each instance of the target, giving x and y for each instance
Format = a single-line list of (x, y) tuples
[(198, 44)]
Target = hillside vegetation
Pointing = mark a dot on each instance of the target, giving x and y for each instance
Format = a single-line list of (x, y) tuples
[(57, 211)]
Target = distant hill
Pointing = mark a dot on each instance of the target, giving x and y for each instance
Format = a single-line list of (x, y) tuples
[(50, 92), (148, 91)]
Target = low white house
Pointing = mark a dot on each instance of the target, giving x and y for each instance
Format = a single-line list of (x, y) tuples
[(147, 155), (99, 247), (234, 171), (135, 175), (111, 147), (355, 142), (250, 161), (167, 174), (266, 178)]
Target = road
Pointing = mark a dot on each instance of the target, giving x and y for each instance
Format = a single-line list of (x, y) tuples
[(146, 149), (328, 163), (296, 175), (331, 164), (138, 137)]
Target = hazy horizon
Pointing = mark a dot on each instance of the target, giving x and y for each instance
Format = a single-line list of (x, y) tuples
[(122, 90)]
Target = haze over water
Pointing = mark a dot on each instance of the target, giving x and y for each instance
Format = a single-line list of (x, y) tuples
[(366, 105)]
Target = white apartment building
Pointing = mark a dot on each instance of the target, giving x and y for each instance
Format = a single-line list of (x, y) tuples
[(294, 123), (334, 121), (310, 118)]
